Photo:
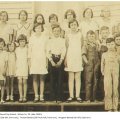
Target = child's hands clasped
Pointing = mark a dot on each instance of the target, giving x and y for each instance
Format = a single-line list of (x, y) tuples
[(53, 63), (59, 63)]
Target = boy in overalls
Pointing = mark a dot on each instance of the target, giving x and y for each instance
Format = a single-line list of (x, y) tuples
[(117, 42), (91, 68), (110, 70)]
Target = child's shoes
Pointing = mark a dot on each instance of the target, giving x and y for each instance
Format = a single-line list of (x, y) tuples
[(70, 99), (11, 98), (36, 99), (24, 100), (41, 98), (20, 100), (2, 101), (8, 98), (79, 99)]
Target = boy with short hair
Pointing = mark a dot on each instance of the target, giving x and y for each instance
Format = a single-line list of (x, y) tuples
[(56, 51), (110, 71), (92, 64), (104, 34), (117, 42)]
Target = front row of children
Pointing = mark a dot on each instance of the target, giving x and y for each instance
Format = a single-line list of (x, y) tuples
[(42, 55)]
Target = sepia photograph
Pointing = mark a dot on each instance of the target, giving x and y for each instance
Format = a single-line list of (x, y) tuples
[(60, 56)]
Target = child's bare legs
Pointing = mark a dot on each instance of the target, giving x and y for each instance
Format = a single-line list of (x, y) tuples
[(24, 89), (35, 86), (8, 88), (41, 88), (20, 87), (77, 83), (71, 84), (2, 90)]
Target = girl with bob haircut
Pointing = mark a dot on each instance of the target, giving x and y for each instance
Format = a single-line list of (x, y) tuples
[(36, 25), (10, 71), (22, 67), (53, 18), (70, 11), (38, 60), (73, 60), (84, 13)]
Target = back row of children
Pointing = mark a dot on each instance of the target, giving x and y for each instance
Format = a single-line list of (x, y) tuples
[(61, 50)]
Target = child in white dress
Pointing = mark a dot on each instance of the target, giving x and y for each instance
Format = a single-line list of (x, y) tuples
[(22, 66), (10, 71), (38, 60), (73, 60), (3, 67)]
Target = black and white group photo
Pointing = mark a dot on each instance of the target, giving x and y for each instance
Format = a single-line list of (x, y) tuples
[(59, 56)]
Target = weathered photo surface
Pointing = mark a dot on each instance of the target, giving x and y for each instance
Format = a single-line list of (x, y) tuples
[(59, 56)]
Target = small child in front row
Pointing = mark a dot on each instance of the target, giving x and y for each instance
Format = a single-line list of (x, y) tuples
[(73, 61), (3, 68), (10, 71), (56, 50), (92, 65), (22, 67), (110, 70)]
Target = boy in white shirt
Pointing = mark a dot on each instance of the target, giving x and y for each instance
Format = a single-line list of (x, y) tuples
[(56, 50)]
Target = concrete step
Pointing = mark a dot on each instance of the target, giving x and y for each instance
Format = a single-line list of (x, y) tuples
[(52, 106)]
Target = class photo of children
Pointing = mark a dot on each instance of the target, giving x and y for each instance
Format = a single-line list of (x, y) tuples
[(60, 56)]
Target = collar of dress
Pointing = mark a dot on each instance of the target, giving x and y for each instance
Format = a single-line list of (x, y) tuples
[(26, 26)]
